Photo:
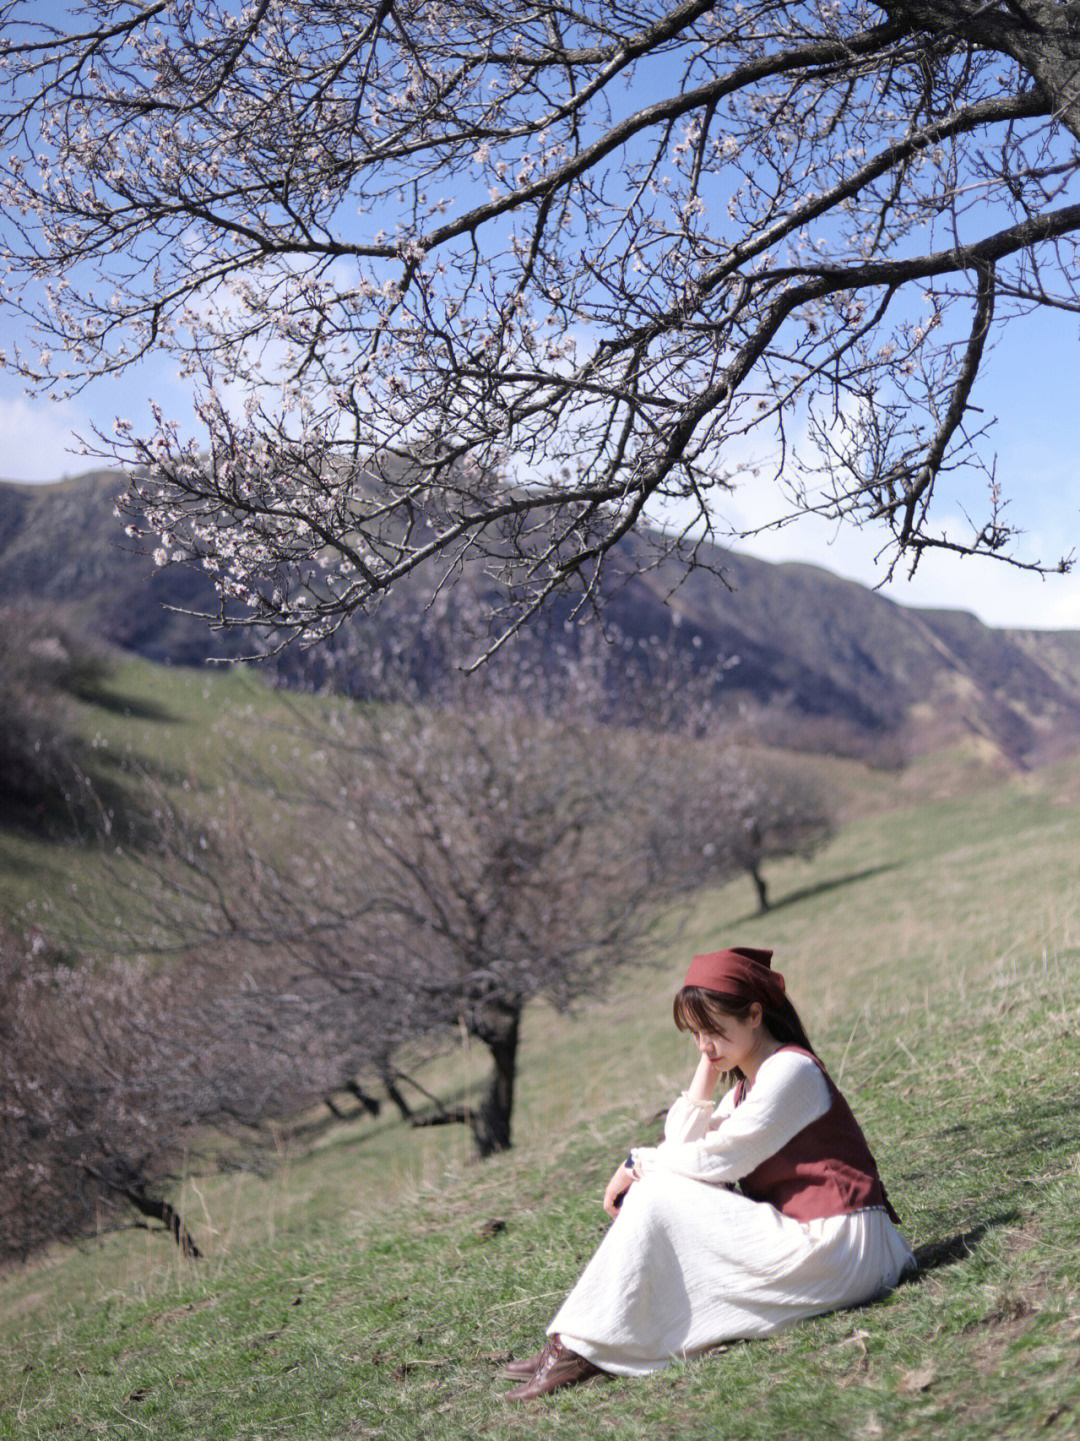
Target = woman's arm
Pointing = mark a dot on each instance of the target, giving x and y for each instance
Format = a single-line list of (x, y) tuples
[(705, 1078), (691, 1115), (617, 1188), (687, 1120), (788, 1094)]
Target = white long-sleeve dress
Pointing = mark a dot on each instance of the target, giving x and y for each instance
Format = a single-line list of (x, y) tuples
[(689, 1263)]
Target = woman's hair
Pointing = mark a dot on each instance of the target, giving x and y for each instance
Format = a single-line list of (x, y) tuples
[(696, 1009)]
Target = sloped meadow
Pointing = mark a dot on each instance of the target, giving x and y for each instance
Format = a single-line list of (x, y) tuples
[(372, 1284)]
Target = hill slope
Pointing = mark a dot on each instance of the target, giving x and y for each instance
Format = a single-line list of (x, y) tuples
[(374, 1285), (816, 660)]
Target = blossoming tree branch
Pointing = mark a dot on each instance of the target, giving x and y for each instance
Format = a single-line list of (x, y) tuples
[(506, 281)]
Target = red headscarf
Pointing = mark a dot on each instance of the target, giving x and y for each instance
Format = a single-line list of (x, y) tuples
[(742, 971)]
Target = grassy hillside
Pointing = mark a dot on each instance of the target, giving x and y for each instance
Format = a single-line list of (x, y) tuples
[(372, 1285), (193, 731), (188, 730)]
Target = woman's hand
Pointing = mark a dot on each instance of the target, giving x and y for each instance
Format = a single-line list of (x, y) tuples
[(617, 1187), (705, 1078)]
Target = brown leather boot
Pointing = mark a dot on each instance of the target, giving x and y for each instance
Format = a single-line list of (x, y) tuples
[(558, 1367), (524, 1367)]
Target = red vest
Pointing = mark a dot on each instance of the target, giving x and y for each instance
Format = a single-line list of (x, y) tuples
[(826, 1169)]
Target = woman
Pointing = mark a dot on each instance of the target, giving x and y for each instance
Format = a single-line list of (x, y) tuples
[(691, 1262)]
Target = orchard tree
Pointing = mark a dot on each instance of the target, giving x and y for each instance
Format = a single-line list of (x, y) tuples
[(507, 281), (443, 868), (768, 811), (499, 853), (110, 1071), (732, 809)]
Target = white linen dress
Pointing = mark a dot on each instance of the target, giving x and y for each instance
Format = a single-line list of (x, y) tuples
[(689, 1263)]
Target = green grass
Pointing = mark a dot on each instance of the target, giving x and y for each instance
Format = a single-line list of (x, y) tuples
[(184, 737), (146, 718), (393, 1325), (934, 950)]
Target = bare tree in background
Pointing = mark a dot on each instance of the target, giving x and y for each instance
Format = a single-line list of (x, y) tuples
[(768, 811), (110, 1071), (435, 871), (508, 856), (730, 809), (505, 280)]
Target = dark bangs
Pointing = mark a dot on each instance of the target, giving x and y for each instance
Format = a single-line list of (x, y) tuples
[(696, 1009)]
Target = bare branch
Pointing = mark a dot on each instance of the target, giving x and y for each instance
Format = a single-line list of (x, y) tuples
[(493, 282)]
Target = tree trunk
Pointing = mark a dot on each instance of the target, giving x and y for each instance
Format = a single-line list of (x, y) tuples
[(170, 1218), (497, 1026), (1041, 35), (390, 1082), (371, 1104), (761, 888)]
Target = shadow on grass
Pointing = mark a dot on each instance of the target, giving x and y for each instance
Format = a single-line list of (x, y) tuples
[(1037, 1129), (387, 1119), (127, 706), (948, 1250), (1010, 1144), (805, 893)]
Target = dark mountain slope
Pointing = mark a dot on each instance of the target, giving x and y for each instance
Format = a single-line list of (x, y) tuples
[(64, 543), (816, 659)]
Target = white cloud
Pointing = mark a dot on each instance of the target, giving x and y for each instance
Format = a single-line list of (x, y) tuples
[(37, 440), (999, 594)]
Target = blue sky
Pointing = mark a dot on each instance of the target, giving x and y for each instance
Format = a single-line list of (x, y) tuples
[(1029, 384)]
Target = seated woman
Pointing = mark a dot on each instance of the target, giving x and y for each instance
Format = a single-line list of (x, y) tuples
[(690, 1261)]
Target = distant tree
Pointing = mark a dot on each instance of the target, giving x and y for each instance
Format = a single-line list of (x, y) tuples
[(511, 855), (731, 809), (502, 280), (446, 867), (769, 811)]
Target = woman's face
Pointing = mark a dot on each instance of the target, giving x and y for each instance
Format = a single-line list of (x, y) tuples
[(733, 1042)]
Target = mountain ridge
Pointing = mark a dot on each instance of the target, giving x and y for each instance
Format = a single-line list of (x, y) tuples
[(813, 659)]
